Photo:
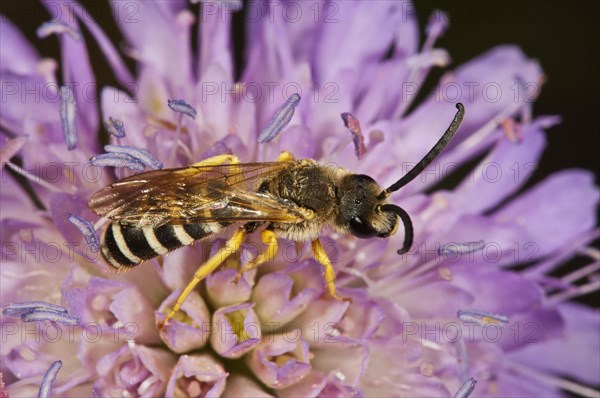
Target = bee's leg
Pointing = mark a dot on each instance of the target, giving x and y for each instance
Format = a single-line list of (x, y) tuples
[(285, 156), (270, 239), (232, 245), (322, 257), (217, 160)]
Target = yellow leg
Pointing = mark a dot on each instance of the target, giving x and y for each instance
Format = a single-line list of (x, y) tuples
[(285, 156), (217, 160), (322, 257), (232, 245), (270, 239)]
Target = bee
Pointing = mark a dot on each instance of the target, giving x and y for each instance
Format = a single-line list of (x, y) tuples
[(155, 212)]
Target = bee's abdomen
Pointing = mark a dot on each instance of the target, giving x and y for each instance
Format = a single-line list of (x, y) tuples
[(125, 246)]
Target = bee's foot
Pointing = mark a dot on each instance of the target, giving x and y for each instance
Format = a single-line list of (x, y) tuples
[(338, 298), (237, 278), (162, 324)]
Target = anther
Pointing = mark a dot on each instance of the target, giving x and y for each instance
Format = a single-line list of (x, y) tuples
[(280, 120), (54, 27), (358, 139), (140, 154), (461, 248), (115, 127), (482, 318), (49, 377), (87, 230), (117, 160), (68, 116), (465, 390), (181, 106)]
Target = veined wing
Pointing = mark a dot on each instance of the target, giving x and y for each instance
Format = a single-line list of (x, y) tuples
[(196, 194)]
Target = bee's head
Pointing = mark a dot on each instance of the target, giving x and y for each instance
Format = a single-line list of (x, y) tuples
[(364, 213), (363, 208)]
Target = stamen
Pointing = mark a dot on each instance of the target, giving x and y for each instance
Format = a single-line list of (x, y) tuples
[(45, 315), (11, 148), (438, 22), (564, 253), (591, 252), (117, 160), (353, 125), (462, 359), (436, 27), (409, 276), (76, 378), (576, 291), (115, 127), (176, 141), (359, 274), (87, 230), (68, 116), (566, 385), (280, 119), (57, 27), (482, 318), (33, 177), (18, 309), (186, 149), (483, 137), (182, 107), (111, 54), (581, 273), (140, 154), (461, 248), (466, 389), (49, 377), (421, 61)]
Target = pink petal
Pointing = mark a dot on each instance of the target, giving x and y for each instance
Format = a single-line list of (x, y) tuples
[(236, 330), (341, 48), (556, 210), (185, 335), (280, 360), (194, 374), (18, 55), (242, 387), (575, 354), (501, 173)]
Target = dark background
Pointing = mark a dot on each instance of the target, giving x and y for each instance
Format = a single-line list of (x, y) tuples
[(562, 35)]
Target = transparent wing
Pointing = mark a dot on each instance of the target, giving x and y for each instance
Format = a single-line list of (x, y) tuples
[(194, 195)]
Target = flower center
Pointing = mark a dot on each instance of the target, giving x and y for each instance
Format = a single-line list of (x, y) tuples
[(236, 320)]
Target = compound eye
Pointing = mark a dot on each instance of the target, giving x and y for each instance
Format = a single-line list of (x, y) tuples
[(361, 229)]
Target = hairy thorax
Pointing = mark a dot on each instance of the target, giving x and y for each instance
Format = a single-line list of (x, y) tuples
[(311, 186)]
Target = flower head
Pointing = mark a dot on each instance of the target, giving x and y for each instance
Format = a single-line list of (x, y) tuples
[(420, 324)]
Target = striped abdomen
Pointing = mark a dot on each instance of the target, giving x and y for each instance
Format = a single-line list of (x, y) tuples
[(126, 246)]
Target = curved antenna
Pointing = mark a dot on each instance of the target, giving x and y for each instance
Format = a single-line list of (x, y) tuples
[(432, 154), (408, 227)]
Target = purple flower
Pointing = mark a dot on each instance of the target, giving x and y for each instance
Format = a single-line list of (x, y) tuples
[(275, 332), (133, 370), (237, 330), (197, 376), (280, 361)]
